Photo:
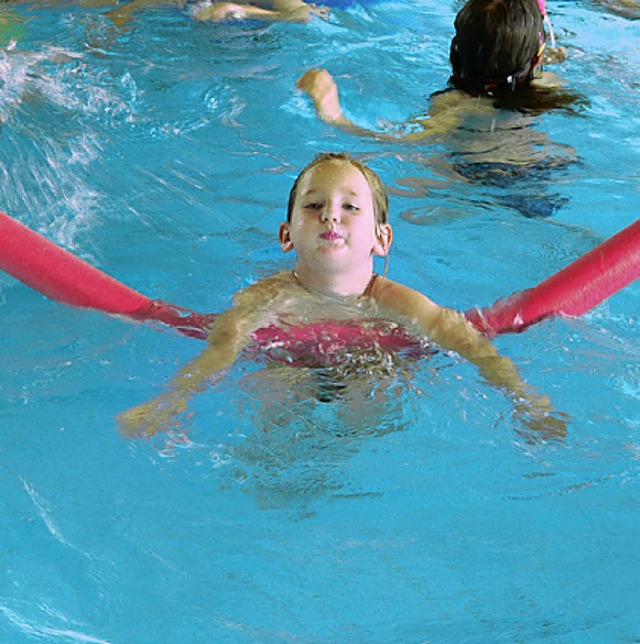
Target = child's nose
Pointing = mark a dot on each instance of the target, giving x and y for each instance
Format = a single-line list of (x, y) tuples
[(331, 212)]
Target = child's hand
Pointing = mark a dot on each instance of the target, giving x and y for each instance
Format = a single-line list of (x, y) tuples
[(321, 87), (303, 12), (538, 416), (151, 417), (321, 12)]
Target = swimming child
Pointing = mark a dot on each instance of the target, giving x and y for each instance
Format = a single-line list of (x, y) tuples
[(625, 8), (495, 58), (336, 224), (265, 10)]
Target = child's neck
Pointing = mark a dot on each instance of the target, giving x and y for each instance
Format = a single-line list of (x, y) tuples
[(333, 284)]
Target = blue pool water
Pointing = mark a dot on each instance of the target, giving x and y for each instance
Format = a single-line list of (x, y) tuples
[(415, 511)]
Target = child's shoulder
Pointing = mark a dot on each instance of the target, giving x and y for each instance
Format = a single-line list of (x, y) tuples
[(256, 304), (395, 295), (267, 286), (447, 99), (457, 101)]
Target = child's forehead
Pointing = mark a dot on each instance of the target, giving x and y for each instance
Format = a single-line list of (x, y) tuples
[(336, 172)]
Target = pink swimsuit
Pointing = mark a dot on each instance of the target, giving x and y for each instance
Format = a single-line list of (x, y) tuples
[(330, 343)]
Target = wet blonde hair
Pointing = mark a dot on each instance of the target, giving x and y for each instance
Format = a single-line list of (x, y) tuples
[(378, 191)]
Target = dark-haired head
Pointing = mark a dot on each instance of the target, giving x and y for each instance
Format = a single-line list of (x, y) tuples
[(497, 45)]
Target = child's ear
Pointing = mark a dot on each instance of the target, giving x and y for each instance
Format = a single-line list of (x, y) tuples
[(384, 237), (284, 235)]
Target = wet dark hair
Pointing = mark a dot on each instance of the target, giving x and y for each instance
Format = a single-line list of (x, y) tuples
[(496, 46), (378, 191)]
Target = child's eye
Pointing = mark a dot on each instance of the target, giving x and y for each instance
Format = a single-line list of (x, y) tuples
[(352, 207), (314, 205)]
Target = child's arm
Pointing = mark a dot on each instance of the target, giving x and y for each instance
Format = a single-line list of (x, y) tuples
[(446, 116), (226, 341), (283, 11), (450, 330), (229, 335)]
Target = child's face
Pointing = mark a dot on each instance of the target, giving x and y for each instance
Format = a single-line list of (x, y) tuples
[(333, 223)]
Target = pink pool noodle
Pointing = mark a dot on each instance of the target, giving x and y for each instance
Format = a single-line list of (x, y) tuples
[(572, 291), (65, 278)]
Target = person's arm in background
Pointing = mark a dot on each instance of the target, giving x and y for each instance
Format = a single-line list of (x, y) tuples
[(446, 112), (282, 11)]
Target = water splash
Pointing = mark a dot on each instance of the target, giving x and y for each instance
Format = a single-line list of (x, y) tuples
[(48, 172)]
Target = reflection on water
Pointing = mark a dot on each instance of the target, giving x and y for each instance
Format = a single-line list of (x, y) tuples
[(48, 171)]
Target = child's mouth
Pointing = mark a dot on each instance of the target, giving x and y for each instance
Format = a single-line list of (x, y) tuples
[(331, 235)]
